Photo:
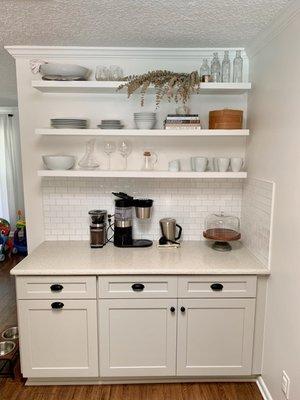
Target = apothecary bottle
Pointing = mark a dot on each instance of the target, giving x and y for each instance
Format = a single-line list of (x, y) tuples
[(216, 68), (226, 67), (204, 69), (238, 67)]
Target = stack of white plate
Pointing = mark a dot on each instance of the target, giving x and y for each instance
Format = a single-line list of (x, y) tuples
[(110, 124), (69, 123), (145, 120)]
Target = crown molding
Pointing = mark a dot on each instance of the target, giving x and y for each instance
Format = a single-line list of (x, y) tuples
[(115, 52), (279, 24)]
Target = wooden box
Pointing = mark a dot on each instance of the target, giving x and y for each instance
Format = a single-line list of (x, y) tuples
[(226, 119)]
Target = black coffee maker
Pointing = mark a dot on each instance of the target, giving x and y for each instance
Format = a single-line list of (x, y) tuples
[(123, 219)]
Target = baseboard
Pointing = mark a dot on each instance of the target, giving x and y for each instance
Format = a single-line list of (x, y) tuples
[(120, 381), (263, 389)]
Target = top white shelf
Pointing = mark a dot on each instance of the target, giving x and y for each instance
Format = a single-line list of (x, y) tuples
[(111, 87)]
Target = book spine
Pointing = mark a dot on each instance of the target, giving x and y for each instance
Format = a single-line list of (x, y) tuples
[(183, 127), (182, 118), (183, 115), (196, 121)]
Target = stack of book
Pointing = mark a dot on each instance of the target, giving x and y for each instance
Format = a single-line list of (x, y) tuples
[(182, 121)]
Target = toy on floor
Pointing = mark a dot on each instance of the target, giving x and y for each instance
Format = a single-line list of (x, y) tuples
[(20, 239), (6, 243)]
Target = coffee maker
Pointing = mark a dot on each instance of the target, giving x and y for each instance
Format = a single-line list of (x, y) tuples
[(123, 219)]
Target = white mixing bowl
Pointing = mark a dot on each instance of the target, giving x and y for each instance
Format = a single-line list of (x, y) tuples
[(59, 162), (63, 70)]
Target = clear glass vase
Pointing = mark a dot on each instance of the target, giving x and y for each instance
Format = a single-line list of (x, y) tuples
[(215, 68), (238, 67), (226, 67), (204, 69), (88, 161)]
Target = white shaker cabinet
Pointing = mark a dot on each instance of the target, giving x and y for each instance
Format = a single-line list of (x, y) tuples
[(58, 338), (215, 337), (137, 337)]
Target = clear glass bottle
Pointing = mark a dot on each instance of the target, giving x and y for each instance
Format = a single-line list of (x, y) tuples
[(89, 161), (150, 158), (204, 69), (238, 67), (226, 67), (215, 68)]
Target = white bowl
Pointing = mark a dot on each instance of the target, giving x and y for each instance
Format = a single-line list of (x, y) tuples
[(145, 124), (59, 162), (63, 70)]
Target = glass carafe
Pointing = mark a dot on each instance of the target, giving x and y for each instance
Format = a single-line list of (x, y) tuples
[(150, 158), (216, 68), (226, 67), (204, 69), (89, 161), (238, 67)]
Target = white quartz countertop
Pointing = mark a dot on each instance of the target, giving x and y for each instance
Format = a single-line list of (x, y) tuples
[(77, 258)]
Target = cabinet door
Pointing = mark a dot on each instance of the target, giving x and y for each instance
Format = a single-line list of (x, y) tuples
[(58, 342), (215, 336), (137, 337)]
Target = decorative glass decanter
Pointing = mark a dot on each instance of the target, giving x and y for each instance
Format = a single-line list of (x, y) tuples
[(238, 67), (226, 67), (204, 69), (216, 69), (89, 161)]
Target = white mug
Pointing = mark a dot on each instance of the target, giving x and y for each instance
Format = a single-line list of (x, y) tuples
[(223, 164), (199, 164), (174, 166), (237, 163)]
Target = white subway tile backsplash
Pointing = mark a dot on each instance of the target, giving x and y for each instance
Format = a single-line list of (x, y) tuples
[(66, 202), (256, 217)]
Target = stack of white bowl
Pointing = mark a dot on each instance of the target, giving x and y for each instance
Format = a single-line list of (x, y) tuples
[(145, 120)]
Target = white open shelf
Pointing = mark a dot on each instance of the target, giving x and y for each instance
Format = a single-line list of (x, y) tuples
[(141, 174), (143, 132), (111, 87)]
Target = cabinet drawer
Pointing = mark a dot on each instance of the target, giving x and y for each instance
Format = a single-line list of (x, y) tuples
[(56, 287), (137, 287), (217, 286)]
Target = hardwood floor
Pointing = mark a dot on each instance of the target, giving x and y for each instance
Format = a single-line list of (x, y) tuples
[(15, 390)]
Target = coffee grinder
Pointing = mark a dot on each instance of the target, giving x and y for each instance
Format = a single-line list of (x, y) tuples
[(123, 219), (98, 236)]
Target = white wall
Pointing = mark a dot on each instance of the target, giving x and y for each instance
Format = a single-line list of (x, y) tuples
[(37, 108), (274, 154)]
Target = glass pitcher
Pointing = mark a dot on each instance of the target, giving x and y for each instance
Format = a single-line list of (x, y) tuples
[(150, 158)]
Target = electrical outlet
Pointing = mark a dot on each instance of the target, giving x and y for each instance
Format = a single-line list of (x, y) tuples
[(285, 384)]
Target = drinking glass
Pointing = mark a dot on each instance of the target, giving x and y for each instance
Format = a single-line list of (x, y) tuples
[(125, 149), (102, 73), (116, 73), (109, 148)]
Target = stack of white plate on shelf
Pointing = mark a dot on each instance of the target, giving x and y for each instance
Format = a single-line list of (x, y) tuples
[(110, 124), (145, 120), (69, 123)]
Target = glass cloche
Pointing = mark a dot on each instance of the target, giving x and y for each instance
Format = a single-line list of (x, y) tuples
[(223, 229)]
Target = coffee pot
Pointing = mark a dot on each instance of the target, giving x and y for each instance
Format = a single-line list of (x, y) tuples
[(168, 229)]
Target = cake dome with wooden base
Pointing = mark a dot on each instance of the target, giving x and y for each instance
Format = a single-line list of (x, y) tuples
[(222, 229)]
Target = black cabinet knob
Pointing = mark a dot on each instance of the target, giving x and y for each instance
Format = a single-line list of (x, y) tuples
[(57, 305), (182, 309), (217, 287), (172, 309), (56, 287), (138, 287)]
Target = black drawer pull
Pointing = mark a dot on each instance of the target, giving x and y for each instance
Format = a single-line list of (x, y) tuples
[(182, 309), (172, 309), (217, 287), (56, 287), (57, 305), (138, 287)]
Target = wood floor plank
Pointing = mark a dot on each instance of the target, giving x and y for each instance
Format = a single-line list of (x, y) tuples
[(15, 390)]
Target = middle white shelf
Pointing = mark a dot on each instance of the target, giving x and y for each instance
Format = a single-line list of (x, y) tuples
[(142, 132)]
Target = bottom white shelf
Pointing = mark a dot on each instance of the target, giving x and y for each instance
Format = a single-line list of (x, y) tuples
[(141, 174)]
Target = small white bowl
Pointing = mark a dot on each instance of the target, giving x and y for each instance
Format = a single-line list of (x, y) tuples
[(145, 124), (59, 162)]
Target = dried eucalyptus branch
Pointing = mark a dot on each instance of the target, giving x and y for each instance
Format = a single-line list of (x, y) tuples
[(172, 85)]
